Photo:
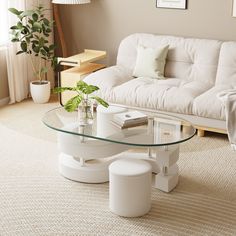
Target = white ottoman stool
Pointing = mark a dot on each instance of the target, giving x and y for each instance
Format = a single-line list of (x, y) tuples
[(130, 187)]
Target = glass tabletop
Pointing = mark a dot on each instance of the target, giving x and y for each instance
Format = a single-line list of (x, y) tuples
[(158, 130)]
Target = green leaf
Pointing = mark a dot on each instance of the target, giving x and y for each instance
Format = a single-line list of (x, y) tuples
[(73, 103), (35, 41), (54, 62), (20, 52), (20, 17), (35, 16), (17, 34), (46, 21), (23, 46), (15, 11), (27, 40), (62, 89), (52, 47), (35, 48), (25, 31), (91, 88), (14, 27), (28, 13), (43, 52), (14, 40), (46, 48), (100, 101), (31, 21), (81, 86), (41, 42), (19, 25), (48, 30), (36, 26), (85, 88)]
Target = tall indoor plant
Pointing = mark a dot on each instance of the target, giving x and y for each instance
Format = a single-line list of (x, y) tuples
[(31, 32)]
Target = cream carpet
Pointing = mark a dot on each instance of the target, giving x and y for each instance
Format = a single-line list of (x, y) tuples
[(36, 200)]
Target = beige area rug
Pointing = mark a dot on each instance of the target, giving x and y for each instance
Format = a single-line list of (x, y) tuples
[(36, 200)]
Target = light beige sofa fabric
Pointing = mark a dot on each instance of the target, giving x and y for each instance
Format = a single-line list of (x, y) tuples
[(196, 70), (190, 59), (207, 104), (226, 73)]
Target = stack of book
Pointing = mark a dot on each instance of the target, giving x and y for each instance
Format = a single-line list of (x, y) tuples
[(129, 119)]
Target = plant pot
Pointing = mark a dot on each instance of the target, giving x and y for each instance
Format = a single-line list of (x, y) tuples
[(40, 91), (85, 113)]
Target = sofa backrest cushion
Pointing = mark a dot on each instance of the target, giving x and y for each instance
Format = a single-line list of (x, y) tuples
[(226, 73), (188, 58)]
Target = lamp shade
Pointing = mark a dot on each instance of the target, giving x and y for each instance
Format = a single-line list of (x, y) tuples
[(71, 1)]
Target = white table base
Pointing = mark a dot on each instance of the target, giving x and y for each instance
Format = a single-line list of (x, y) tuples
[(88, 161)]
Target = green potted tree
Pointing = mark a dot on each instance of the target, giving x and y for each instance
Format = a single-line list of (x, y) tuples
[(31, 32), (83, 101)]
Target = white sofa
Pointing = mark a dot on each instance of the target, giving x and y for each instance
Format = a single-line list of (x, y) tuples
[(196, 70)]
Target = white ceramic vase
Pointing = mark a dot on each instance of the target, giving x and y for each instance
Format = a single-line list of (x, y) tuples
[(40, 91)]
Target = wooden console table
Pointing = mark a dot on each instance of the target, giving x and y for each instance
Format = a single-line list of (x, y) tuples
[(81, 65)]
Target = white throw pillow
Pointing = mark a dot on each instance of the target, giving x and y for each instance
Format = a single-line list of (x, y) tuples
[(150, 62)]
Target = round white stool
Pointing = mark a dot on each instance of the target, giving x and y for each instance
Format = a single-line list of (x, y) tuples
[(130, 187), (104, 117)]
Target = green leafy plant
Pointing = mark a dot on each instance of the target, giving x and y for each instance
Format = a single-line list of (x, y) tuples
[(84, 91), (31, 32)]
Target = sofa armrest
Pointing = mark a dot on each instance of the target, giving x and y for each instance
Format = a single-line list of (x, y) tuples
[(109, 77)]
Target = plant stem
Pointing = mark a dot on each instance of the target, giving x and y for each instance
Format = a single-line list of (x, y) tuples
[(40, 65), (32, 64)]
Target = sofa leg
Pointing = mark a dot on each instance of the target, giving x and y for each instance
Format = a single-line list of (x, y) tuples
[(200, 133)]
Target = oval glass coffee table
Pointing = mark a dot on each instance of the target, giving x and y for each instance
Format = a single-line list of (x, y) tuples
[(86, 151)]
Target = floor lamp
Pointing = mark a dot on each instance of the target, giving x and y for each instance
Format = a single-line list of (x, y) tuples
[(58, 21)]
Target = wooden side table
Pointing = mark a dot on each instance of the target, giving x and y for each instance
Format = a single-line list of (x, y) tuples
[(82, 65)]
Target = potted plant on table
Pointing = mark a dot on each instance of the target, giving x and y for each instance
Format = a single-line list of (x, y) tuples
[(83, 101), (31, 32)]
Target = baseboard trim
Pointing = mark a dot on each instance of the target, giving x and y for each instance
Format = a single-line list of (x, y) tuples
[(4, 101)]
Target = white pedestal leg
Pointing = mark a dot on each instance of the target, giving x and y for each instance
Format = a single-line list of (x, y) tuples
[(86, 160), (166, 158), (94, 171)]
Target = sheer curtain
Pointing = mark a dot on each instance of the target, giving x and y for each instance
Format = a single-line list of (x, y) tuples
[(19, 69)]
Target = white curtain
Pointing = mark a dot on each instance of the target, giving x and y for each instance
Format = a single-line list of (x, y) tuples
[(19, 69)]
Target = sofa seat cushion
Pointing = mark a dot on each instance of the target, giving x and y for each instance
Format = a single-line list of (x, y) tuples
[(180, 99), (109, 77), (208, 105), (143, 92), (172, 94)]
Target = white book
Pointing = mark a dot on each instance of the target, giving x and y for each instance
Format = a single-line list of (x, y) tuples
[(130, 117), (129, 125)]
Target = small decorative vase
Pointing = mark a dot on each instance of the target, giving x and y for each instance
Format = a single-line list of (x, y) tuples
[(85, 112)]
